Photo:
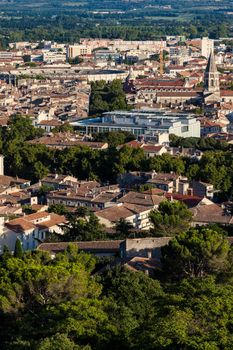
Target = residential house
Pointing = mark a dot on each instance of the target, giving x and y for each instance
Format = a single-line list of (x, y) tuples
[(30, 229), (168, 182), (137, 215), (57, 181), (202, 189), (95, 198), (142, 199), (9, 184), (64, 140), (150, 149), (49, 125), (205, 214)]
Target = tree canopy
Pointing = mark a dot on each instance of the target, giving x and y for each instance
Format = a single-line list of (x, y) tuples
[(196, 253), (63, 303), (170, 219), (107, 97)]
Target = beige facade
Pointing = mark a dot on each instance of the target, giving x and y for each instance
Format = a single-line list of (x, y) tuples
[(78, 50)]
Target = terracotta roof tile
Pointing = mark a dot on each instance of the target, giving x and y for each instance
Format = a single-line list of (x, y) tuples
[(124, 211)]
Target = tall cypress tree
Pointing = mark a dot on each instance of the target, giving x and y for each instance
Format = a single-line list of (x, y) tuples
[(18, 252)]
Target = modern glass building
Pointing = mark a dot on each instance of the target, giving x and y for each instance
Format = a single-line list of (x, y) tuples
[(143, 122)]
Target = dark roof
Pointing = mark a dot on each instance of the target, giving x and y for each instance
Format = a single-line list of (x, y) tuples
[(91, 246)]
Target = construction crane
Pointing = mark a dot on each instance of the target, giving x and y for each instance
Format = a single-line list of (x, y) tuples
[(161, 70)]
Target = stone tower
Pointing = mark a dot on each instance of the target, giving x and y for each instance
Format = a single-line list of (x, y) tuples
[(211, 79)]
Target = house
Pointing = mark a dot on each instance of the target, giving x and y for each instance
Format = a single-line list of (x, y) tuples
[(149, 149), (64, 140), (133, 178), (10, 184), (186, 152), (7, 210), (30, 229), (137, 215), (154, 150), (93, 197), (211, 127), (168, 182), (205, 214), (189, 200), (48, 125), (146, 199), (57, 181), (202, 189)]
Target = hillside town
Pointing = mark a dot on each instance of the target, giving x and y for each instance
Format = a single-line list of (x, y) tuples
[(116, 175), (174, 88)]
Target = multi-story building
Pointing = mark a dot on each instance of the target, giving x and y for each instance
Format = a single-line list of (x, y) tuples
[(207, 46), (144, 122), (78, 50), (30, 229)]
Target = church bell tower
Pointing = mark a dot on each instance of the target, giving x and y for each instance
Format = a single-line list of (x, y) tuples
[(211, 80)]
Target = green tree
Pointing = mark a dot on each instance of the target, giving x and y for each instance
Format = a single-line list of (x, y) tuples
[(195, 253), (84, 227), (114, 138), (43, 300), (170, 219), (195, 314), (123, 228), (18, 252), (66, 127), (107, 97), (136, 299), (59, 342), (59, 209)]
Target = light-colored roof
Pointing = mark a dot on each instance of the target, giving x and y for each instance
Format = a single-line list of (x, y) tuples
[(26, 223), (9, 180), (52, 122), (142, 199), (124, 211), (212, 213)]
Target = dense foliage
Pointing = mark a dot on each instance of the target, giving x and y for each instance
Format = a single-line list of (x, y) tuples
[(63, 21), (170, 218), (62, 304), (107, 97), (201, 143)]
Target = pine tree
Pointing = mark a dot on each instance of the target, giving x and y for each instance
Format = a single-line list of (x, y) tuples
[(18, 252)]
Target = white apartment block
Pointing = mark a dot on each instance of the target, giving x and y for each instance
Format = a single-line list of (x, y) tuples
[(207, 46)]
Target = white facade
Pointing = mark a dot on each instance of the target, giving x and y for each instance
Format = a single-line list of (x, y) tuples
[(207, 46), (30, 229), (145, 122)]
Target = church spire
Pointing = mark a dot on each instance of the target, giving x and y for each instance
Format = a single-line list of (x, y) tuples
[(211, 65), (211, 75)]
